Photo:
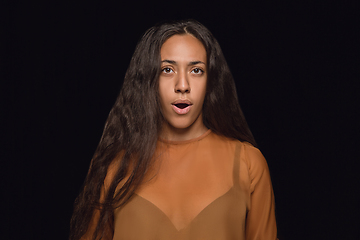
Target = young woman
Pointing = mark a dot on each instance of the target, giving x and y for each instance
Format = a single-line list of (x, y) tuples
[(176, 159)]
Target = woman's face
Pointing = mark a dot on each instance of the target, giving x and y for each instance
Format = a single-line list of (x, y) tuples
[(182, 86)]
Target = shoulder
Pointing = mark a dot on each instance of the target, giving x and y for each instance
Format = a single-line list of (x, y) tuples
[(251, 155), (254, 161)]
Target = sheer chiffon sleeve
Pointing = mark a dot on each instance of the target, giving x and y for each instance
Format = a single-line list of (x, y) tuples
[(96, 214), (260, 222)]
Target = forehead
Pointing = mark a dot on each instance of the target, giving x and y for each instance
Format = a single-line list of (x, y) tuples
[(183, 48)]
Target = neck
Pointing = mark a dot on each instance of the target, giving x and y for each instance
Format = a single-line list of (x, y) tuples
[(182, 134)]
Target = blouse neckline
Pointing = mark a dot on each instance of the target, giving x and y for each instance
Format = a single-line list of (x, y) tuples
[(186, 141)]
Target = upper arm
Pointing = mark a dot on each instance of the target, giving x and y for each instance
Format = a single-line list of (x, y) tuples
[(110, 175), (260, 222)]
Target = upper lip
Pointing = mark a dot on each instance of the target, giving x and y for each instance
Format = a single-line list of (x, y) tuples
[(182, 101)]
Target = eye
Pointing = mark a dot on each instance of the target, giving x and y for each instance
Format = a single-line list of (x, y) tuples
[(197, 71), (167, 70)]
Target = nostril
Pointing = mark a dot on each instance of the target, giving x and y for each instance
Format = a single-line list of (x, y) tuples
[(178, 90)]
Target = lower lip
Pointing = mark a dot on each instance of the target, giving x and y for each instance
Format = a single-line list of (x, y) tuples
[(181, 110)]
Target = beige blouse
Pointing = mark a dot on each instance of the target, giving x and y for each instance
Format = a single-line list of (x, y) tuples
[(210, 187)]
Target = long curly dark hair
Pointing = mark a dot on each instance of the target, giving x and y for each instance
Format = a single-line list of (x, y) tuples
[(134, 124)]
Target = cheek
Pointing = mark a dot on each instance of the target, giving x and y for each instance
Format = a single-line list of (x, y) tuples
[(201, 92), (163, 94), (204, 91)]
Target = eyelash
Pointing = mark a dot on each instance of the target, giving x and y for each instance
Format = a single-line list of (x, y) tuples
[(199, 69), (167, 70), (164, 70)]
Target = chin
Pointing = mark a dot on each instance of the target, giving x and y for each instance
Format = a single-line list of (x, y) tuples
[(180, 124)]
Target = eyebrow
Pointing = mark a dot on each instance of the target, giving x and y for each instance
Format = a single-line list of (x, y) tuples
[(175, 63)]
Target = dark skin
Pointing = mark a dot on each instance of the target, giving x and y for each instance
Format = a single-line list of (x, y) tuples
[(182, 87)]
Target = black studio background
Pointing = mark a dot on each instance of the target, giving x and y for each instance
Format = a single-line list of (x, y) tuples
[(296, 66)]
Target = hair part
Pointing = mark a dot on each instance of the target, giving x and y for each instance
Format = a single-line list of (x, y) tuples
[(134, 124)]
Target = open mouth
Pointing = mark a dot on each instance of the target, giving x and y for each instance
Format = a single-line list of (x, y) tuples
[(182, 105)]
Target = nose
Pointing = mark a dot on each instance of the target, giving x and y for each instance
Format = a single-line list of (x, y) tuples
[(182, 84)]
